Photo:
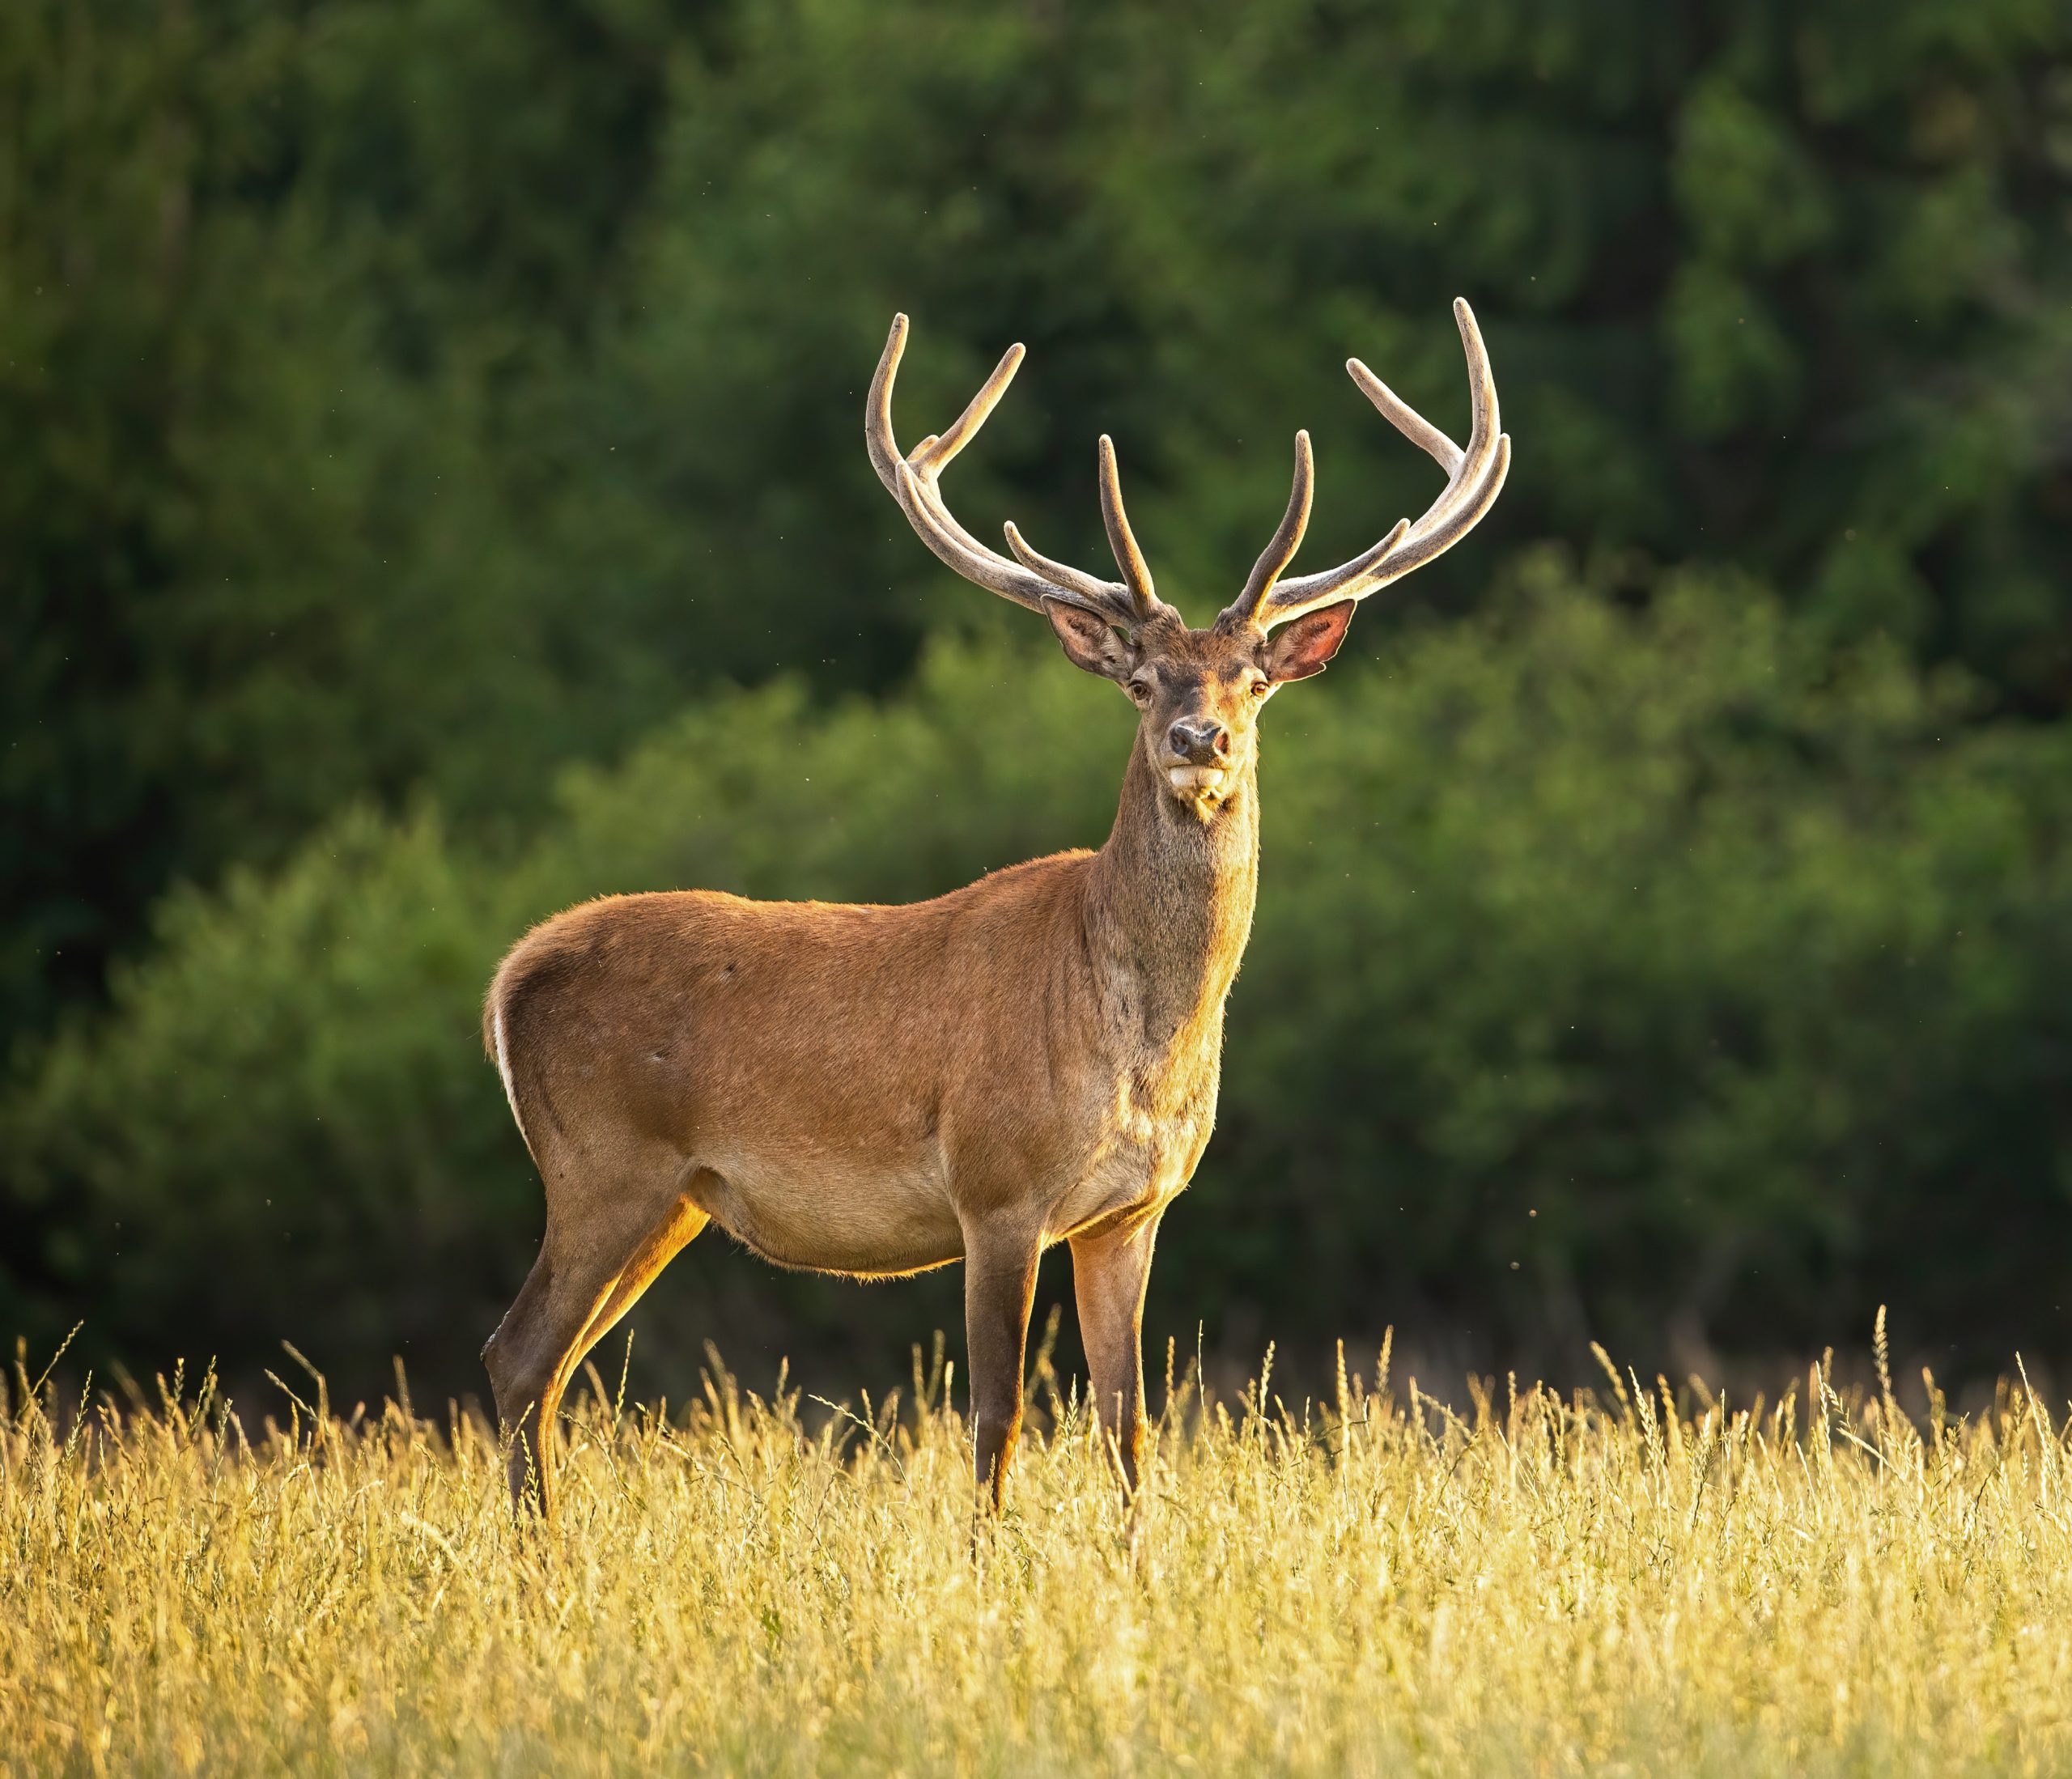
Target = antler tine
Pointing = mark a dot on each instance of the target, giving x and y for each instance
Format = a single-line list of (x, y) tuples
[(1136, 572), (1474, 479), (1286, 540), (1063, 573), (885, 452), (912, 481), (933, 453), (1405, 419)]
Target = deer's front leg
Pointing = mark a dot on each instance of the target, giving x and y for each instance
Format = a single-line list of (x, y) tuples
[(999, 1281), (1109, 1273)]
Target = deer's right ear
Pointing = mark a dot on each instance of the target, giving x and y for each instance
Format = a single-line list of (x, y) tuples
[(1091, 641)]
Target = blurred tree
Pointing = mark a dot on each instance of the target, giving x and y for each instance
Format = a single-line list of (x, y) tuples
[(274, 280), (1779, 285), (418, 395), (260, 555)]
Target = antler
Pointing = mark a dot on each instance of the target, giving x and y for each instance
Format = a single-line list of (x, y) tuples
[(913, 479), (1473, 476)]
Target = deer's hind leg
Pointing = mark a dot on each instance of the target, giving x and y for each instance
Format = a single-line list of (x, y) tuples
[(601, 1252)]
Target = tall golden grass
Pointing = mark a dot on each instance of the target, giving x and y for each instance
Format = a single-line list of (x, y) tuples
[(1639, 1581)]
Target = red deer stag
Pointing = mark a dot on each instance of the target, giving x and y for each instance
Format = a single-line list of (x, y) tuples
[(874, 1091)]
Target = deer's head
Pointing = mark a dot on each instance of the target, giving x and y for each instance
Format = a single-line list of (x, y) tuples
[(1200, 691)]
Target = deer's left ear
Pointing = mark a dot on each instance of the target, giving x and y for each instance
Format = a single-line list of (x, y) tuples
[(1306, 646)]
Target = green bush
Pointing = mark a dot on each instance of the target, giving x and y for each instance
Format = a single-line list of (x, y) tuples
[(1718, 986), (1660, 978)]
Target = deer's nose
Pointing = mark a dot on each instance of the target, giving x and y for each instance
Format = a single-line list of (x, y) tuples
[(1200, 741)]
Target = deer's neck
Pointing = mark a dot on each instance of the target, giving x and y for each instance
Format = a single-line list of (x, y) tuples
[(1169, 909)]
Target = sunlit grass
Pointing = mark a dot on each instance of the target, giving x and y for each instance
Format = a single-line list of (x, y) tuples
[(1542, 1585)]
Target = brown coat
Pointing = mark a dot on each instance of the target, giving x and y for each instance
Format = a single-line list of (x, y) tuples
[(875, 1091)]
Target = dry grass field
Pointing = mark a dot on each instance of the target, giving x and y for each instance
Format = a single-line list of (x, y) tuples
[(1634, 1582)]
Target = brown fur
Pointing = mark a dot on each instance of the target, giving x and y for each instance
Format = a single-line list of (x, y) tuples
[(875, 1091), (1031, 1059)]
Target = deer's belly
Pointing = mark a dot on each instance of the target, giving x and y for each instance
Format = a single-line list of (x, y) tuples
[(832, 1215)]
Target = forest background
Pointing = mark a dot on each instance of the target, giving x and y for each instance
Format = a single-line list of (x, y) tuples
[(434, 492)]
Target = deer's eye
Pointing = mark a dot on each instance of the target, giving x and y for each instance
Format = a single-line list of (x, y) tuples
[(1139, 689), (1260, 687)]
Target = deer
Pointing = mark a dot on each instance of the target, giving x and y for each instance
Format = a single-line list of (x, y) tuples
[(875, 1091)]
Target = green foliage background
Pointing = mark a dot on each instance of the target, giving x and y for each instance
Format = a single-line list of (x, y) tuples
[(423, 421)]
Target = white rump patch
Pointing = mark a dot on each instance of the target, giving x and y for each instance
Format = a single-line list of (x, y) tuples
[(503, 1068)]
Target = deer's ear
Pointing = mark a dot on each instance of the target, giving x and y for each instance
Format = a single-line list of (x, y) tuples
[(1306, 646), (1090, 641)]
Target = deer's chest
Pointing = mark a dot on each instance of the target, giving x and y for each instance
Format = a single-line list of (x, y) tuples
[(1154, 1123)]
